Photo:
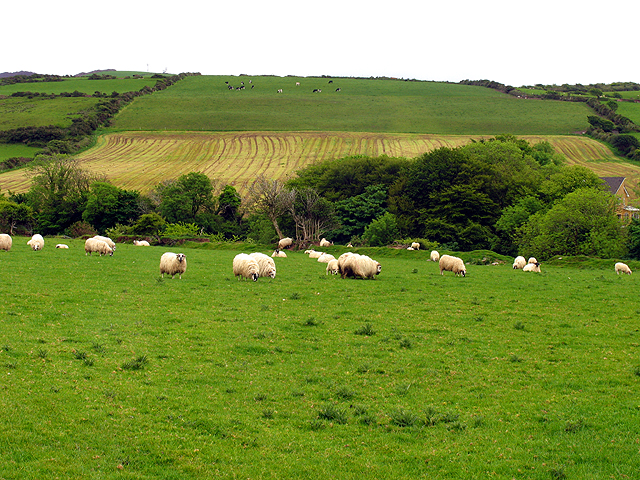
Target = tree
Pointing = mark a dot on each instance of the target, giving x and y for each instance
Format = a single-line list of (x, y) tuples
[(229, 202), (181, 200), (633, 231), (108, 205), (270, 198), (355, 213), (149, 224), (312, 214), (382, 231), (15, 215)]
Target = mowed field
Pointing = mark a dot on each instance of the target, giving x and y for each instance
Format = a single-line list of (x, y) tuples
[(141, 160)]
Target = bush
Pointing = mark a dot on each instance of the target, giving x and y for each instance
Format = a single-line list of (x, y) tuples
[(81, 229), (381, 231)]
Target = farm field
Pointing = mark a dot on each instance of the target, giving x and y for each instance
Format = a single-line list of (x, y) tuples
[(41, 112), (204, 103), (109, 371), (141, 160), (81, 84)]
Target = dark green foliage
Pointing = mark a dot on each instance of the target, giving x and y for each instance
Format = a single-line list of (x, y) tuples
[(149, 224), (108, 205), (182, 199), (633, 232), (355, 213), (382, 231)]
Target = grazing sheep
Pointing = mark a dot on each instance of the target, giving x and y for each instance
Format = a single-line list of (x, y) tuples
[(107, 240), (622, 267), (519, 262), (410, 248), (325, 243), (173, 264), (532, 260), (284, 243), (356, 265), (332, 267), (62, 245), (326, 258), (98, 246), (36, 242), (452, 264), (532, 267), (435, 256), (314, 254), (415, 246), (279, 253), (141, 243), (5, 242), (279, 90), (267, 267), (245, 266)]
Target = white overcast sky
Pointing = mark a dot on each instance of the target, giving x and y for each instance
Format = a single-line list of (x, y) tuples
[(512, 42)]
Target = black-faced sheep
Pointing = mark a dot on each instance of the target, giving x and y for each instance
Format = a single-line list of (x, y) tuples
[(36, 242), (5, 242), (245, 266), (359, 266), (532, 267), (435, 256), (622, 267), (279, 253), (284, 243), (98, 246), (267, 267), (452, 264), (519, 262), (173, 264)]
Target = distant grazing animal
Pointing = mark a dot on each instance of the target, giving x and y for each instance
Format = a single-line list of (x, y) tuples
[(246, 266), (62, 245), (435, 256), (519, 262), (98, 246), (5, 242), (279, 253), (141, 243), (173, 264), (297, 84), (622, 267), (452, 264), (325, 243), (338, 89), (532, 260), (280, 90), (415, 246), (284, 243), (36, 242), (267, 267), (317, 90), (358, 266), (531, 267)]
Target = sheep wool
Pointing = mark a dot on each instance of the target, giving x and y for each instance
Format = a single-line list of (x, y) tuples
[(284, 243), (107, 240), (141, 243), (532, 267), (622, 267), (332, 267), (279, 253), (452, 264), (36, 242), (325, 243), (532, 260), (5, 242), (435, 256), (267, 267), (359, 266), (245, 266), (326, 258), (62, 245), (415, 246), (173, 264), (98, 246), (519, 262), (315, 254)]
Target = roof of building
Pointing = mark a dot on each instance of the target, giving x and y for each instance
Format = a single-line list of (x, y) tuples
[(613, 183)]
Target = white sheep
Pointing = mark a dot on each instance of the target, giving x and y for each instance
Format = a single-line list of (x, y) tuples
[(107, 240), (519, 262), (622, 267), (326, 258), (96, 245), (332, 267), (532, 267), (532, 260), (62, 245), (325, 243), (356, 265), (36, 242), (173, 264), (435, 256), (415, 246), (245, 266), (267, 267), (452, 264), (410, 248), (279, 253), (5, 242), (141, 243), (314, 254), (284, 243)]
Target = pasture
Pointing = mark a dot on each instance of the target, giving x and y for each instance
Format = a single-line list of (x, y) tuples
[(40, 112), (109, 371), (81, 84)]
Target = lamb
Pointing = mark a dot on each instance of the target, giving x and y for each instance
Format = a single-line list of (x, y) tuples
[(332, 267), (452, 264), (519, 262), (325, 243), (36, 242), (5, 242), (141, 243), (267, 267), (62, 245), (532, 267), (326, 258), (532, 260), (415, 246), (435, 256), (98, 246), (107, 240), (284, 243), (245, 266), (279, 253), (622, 267), (173, 264)]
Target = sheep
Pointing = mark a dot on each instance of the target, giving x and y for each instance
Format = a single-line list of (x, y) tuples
[(532, 260), (279, 90), (245, 266), (410, 248), (173, 264), (99, 246), (284, 243), (622, 267), (297, 84), (532, 267), (326, 258), (435, 256), (332, 267), (356, 265), (452, 264), (267, 267), (325, 243), (279, 253), (141, 243), (62, 245), (519, 262), (314, 254), (5, 242), (107, 240), (36, 242), (415, 246)]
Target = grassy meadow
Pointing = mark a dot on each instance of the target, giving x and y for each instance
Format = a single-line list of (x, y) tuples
[(109, 371), (81, 84), (40, 112)]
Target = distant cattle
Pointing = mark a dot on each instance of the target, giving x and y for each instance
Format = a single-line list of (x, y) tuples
[(280, 90), (317, 90)]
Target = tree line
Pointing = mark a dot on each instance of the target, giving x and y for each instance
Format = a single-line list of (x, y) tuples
[(502, 194)]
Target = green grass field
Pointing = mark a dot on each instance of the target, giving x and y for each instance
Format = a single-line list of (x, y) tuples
[(110, 372), (81, 84), (40, 112), (204, 103)]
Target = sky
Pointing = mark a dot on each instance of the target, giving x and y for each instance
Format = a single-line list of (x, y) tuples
[(512, 42)]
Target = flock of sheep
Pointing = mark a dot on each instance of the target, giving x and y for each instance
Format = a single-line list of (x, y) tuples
[(255, 265)]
